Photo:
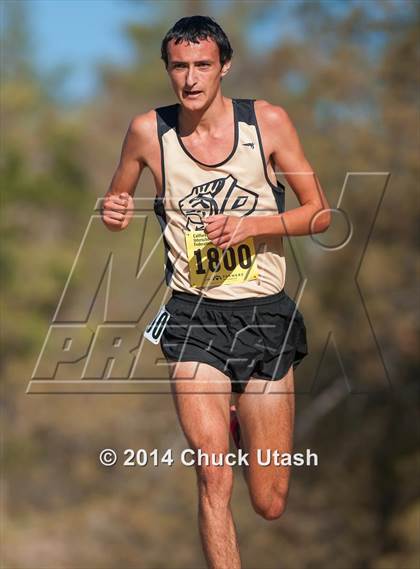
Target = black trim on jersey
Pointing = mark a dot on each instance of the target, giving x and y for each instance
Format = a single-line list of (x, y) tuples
[(279, 189), (165, 120), (244, 111), (160, 213), (235, 143)]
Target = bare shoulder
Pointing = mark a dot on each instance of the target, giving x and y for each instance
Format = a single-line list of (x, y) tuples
[(268, 110), (273, 119), (143, 126), (141, 139)]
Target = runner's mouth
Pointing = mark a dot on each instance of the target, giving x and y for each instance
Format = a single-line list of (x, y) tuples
[(191, 94)]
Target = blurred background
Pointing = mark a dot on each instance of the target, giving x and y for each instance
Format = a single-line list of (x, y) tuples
[(73, 75)]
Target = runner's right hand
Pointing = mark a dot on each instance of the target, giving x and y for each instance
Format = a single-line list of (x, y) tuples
[(117, 211)]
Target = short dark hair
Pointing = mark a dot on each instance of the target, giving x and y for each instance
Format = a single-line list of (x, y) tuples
[(193, 29)]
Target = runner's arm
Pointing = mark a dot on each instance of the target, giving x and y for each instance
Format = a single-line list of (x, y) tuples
[(289, 159), (118, 206)]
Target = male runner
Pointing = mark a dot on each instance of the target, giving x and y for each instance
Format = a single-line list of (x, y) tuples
[(231, 326)]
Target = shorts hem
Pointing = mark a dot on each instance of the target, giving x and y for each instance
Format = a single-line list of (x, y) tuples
[(281, 374), (198, 360)]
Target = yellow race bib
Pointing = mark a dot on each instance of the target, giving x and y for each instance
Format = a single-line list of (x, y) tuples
[(212, 266)]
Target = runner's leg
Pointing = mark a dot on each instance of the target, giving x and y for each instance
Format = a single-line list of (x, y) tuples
[(266, 416), (202, 403)]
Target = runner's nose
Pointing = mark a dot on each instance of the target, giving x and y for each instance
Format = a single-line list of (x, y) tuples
[(191, 78)]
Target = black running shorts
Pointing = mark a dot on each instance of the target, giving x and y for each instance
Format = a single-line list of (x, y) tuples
[(259, 337)]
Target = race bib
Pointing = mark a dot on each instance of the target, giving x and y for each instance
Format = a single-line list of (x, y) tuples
[(212, 266), (156, 327)]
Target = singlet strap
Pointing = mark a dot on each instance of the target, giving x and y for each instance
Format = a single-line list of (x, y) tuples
[(166, 119), (278, 189), (245, 111)]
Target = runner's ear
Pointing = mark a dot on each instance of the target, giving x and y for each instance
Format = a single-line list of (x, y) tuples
[(225, 68)]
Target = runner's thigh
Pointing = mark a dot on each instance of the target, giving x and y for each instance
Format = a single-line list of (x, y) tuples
[(266, 416), (202, 396)]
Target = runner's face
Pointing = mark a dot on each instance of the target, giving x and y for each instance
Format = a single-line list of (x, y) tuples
[(195, 72)]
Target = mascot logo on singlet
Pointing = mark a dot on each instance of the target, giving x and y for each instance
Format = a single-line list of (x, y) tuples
[(218, 196)]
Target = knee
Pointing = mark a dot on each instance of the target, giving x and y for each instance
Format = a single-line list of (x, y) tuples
[(215, 484), (271, 508)]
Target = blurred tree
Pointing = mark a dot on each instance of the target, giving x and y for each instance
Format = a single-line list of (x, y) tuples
[(42, 180)]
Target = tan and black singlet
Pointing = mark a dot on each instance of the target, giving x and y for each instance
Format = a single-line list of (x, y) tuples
[(239, 186)]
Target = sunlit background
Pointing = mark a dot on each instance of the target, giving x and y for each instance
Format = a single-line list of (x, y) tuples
[(74, 73)]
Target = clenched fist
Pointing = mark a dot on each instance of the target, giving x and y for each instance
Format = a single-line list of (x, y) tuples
[(227, 230), (117, 211)]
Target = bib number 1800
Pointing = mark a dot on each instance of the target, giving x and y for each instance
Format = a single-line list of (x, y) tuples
[(230, 259), (211, 266)]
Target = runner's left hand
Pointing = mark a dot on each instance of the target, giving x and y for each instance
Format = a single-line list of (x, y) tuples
[(227, 230)]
